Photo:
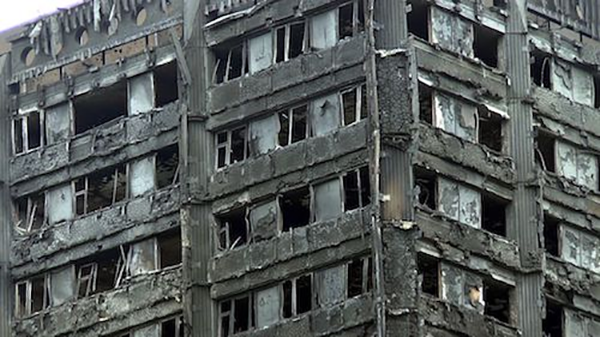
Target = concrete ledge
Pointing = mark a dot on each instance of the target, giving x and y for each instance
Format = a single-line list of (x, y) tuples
[(564, 193), (108, 228), (136, 302), (579, 287)]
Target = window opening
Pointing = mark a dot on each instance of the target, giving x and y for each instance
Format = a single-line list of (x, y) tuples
[(485, 45), (545, 150), (293, 124), (496, 297), (357, 189), (167, 166), (233, 229), (360, 276), (165, 84), (493, 214), (551, 237), (540, 69), (429, 274), (490, 129), (295, 208), (99, 106)]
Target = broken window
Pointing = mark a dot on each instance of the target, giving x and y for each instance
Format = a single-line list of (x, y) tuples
[(354, 104), (351, 19), (357, 189), (360, 276), (86, 279), (165, 84), (425, 189), (100, 189), (573, 82), (425, 104), (490, 129), (597, 92), (545, 150), (293, 125), (167, 166), (493, 214), (297, 296), (289, 41), (462, 287), (577, 165), (418, 19), (230, 63), (32, 296), (233, 229), (459, 202), (540, 69), (429, 274), (551, 241), (100, 106), (263, 134), (169, 247), (31, 212), (451, 32), (28, 132), (295, 208), (579, 248), (98, 274), (485, 45), (552, 324), (236, 315), (455, 116), (172, 327), (232, 146), (496, 297)]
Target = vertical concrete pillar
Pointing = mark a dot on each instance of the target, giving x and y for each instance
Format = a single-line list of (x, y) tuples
[(391, 76), (5, 203), (198, 246), (524, 220)]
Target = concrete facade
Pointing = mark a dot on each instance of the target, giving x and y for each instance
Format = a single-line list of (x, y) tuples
[(302, 168)]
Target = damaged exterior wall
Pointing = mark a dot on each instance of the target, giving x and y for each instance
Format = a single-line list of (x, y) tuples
[(362, 190)]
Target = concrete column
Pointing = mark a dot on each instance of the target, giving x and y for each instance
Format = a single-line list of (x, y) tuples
[(5, 203), (524, 219)]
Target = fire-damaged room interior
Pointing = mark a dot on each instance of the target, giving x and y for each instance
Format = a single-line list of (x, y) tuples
[(343, 168)]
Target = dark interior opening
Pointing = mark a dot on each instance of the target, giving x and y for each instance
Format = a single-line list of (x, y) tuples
[(107, 269), (551, 241), (345, 20), (540, 69), (304, 294), (493, 214), (165, 84), (22, 299), (19, 145), (280, 44), (225, 318), (30, 211), (485, 45), (545, 151), (425, 104), (296, 40), (295, 208), (497, 300), (349, 105), (167, 166), (100, 106), (172, 328), (426, 188), (490, 130), (500, 4), (239, 145), (34, 130), (235, 223), (429, 272), (552, 325), (105, 187), (241, 319), (418, 19), (38, 294), (230, 63), (355, 277), (237, 62), (169, 245)]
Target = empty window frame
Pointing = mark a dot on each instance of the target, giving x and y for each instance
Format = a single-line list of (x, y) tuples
[(172, 327), (490, 129), (577, 164), (493, 214), (425, 189), (297, 296), (552, 325), (485, 45), (99, 106), (32, 296), (236, 316), (418, 19), (354, 104), (295, 208), (496, 297), (360, 276), (28, 132), (459, 202), (455, 115), (597, 91), (169, 249), (99, 274), (167, 166), (540, 69), (551, 235), (230, 63), (293, 125), (290, 41), (545, 150), (429, 274), (351, 19), (425, 104), (357, 188), (165, 84), (233, 230), (100, 189), (30, 212), (231, 146)]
